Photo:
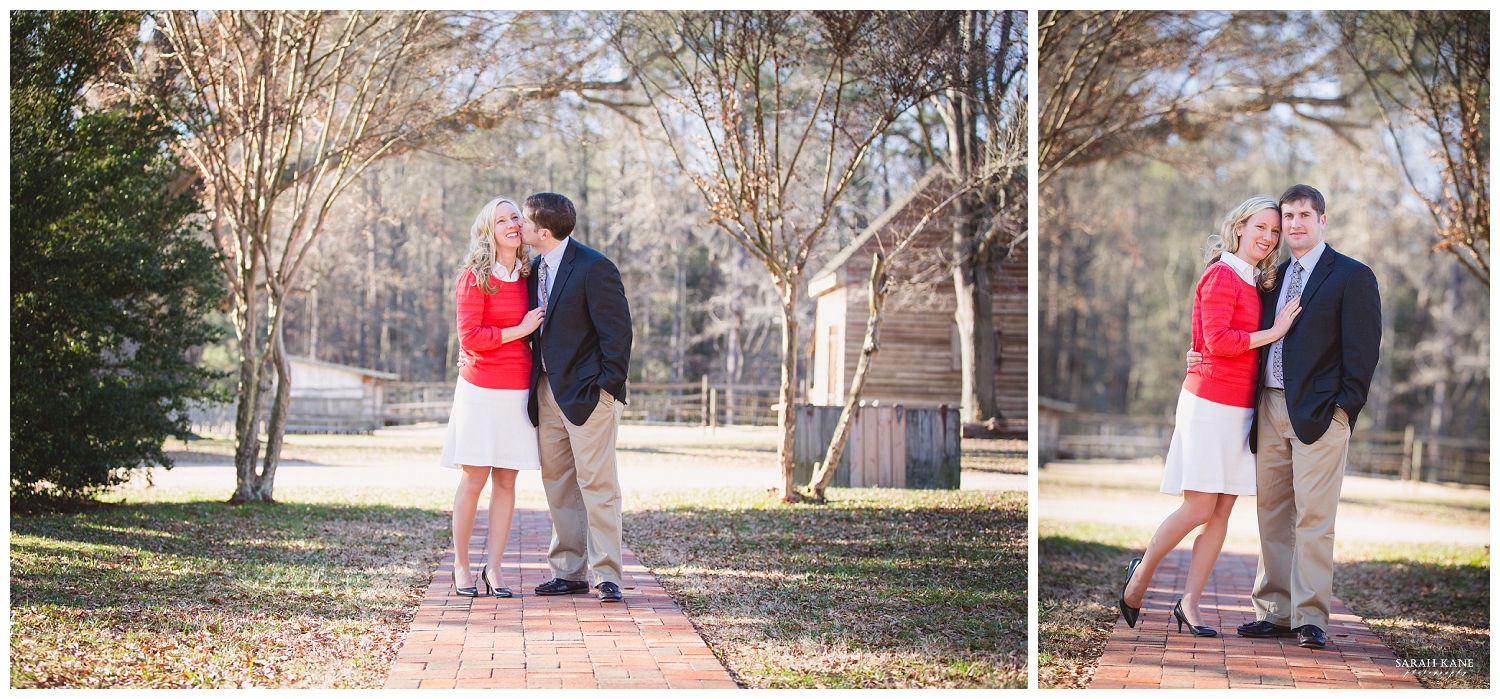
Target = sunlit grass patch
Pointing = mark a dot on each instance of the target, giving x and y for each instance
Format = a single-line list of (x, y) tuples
[(179, 589), (879, 588)]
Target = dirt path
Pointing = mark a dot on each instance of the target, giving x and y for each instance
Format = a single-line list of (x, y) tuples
[(650, 458), (1370, 509)]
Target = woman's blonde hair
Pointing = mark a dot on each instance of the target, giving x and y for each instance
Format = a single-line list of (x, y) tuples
[(481, 257), (1228, 238)]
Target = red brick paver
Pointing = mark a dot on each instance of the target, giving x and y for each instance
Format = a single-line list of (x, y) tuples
[(563, 642), (1154, 655)]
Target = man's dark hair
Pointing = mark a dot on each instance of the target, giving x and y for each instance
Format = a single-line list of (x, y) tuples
[(555, 213), (1295, 193)]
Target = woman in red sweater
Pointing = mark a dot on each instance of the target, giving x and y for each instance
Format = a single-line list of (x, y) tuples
[(1209, 462), (489, 434)]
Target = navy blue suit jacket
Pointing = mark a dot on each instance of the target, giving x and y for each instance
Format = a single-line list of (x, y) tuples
[(1329, 353), (586, 335)]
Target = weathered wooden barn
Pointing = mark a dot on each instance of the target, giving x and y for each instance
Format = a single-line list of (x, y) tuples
[(326, 398), (918, 364), (329, 397)]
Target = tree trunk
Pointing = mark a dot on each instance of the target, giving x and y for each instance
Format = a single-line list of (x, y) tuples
[(367, 314), (971, 284), (734, 353), (823, 472), (276, 427), (1446, 320), (312, 332), (786, 420), (252, 385), (976, 337), (679, 304)]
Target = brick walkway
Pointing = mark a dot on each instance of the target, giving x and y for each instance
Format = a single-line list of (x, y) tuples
[(563, 642), (1151, 656)]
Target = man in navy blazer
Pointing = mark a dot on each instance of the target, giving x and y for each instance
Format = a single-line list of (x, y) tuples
[(1313, 384), (580, 361)]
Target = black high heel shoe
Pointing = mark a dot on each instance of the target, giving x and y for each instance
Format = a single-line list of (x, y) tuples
[(471, 591), (1130, 613), (492, 591), (1206, 631)]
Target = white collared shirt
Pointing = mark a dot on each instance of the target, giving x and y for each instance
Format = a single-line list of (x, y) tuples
[(1308, 262), (507, 275), (554, 258), (1247, 271)]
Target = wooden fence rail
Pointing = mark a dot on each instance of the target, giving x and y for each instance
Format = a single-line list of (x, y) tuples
[(699, 403), (702, 403), (1396, 455), (410, 402)]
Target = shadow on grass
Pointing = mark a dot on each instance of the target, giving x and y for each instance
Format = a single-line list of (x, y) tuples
[(850, 595), (103, 558), (209, 594), (1426, 611), (1077, 583)]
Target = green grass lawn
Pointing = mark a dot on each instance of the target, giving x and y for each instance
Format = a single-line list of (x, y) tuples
[(1079, 571), (1424, 601), (878, 588), (187, 591)]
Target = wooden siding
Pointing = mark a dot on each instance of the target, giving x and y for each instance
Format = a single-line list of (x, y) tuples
[(830, 316), (888, 447), (916, 365)]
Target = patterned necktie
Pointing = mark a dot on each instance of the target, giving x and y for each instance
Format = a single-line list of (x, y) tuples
[(1294, 289), (541, 288), (541, 299)]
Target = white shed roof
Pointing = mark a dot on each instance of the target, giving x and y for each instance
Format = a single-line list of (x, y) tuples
[(344, 367)]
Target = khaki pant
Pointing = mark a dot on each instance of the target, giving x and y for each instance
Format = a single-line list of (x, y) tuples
[(1297, 493), (583, 490)]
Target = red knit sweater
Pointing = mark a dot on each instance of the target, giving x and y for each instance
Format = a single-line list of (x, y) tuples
[(481, 318), (1225, 311)]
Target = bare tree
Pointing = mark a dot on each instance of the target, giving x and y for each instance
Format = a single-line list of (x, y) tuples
[(1116, 81), (1433, 68), (282, 112), (986, 98), (997, 168), (772, 114)]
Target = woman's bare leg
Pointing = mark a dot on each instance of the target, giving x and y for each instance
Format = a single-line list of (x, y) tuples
[(1205, 554), (465, 502), (502, 510), (1195, 510)]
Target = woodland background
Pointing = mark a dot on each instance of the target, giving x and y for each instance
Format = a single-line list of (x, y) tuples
[(718, 157), (378, 289), (1185, 115)]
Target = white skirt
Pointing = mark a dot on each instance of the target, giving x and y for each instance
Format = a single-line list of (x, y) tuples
[(490, 427), (1210, 450)]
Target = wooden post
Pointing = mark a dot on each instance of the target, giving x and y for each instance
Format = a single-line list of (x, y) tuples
[(713, 410), (703, 397), (1047, 424), (1406, 451)]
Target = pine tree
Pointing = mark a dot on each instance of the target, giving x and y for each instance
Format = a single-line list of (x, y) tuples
[(110, 282)]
